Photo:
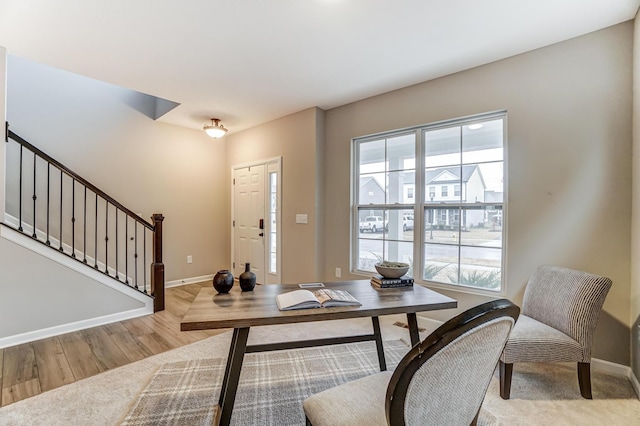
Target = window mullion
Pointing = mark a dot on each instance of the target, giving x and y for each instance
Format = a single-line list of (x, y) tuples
[(418, 208)]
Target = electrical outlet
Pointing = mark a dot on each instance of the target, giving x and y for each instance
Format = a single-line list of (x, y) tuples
[(189, 259), (338, 272)]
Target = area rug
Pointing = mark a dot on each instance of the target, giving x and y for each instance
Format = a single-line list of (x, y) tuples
[(271, 389), (541, 394)]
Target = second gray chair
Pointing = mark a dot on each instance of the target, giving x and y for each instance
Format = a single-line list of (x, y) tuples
[(560, 311)]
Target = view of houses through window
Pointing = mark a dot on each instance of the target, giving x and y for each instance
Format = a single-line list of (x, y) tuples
[(450, 231)]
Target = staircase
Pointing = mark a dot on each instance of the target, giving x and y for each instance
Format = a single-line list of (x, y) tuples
[(61, 210)]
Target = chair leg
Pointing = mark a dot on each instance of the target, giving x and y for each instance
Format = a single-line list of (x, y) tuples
[(506, 370), (474, 422), (584, 379)]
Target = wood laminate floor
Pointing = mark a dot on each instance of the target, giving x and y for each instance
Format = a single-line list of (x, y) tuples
[(31, 368)]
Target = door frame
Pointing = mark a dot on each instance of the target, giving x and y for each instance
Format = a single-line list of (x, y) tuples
[(271, 165)]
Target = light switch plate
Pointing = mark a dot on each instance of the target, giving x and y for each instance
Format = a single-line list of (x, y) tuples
[(302, 218)]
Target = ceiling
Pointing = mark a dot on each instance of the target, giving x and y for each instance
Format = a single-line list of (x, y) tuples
[(249, 62)]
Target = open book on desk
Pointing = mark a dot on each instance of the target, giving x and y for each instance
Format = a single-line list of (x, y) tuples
[(322, 298)]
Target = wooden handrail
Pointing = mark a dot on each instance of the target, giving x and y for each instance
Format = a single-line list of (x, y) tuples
[(79, 178)]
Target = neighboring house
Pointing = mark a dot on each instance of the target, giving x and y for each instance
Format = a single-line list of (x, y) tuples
[(370, 191), (443, 185), (449, 184)]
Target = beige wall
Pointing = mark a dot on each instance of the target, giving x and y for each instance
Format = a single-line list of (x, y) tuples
[(295, 139), (569, 167), (635, 218)]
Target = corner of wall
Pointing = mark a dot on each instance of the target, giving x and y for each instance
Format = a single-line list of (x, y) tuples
[(3, 119), (635, 207), (319, 209)]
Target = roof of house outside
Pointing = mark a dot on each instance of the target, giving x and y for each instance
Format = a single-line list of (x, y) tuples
[(433, 175)]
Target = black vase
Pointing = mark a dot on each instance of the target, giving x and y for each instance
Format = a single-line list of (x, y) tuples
[(247, 279), (223, 281)]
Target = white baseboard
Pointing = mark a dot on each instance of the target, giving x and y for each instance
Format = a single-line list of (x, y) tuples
[(185, 281), (610, 367), (616, 370), (634, 382), (31, 336)]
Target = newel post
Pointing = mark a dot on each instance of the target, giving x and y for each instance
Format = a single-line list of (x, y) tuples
[(157, 267)]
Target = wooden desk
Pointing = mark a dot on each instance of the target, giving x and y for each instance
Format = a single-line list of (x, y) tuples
[(242, 310)]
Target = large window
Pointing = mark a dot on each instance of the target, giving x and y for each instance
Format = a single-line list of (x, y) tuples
[(452, 235)]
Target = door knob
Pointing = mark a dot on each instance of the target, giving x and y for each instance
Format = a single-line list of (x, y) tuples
[(261, 234)]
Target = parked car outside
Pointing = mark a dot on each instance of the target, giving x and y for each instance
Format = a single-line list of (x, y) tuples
[(372, 224), (407, 222)]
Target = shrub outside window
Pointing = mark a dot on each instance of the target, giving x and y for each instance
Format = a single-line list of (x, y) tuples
[(454, 239)]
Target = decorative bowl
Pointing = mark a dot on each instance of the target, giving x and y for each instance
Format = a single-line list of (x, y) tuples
[(392, 269)]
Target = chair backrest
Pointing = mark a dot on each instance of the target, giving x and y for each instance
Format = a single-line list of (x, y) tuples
[(443, 379), (567, 300)]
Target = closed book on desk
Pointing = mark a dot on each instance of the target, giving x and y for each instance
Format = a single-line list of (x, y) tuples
[(323, 298), (396, 285), (379, 279)]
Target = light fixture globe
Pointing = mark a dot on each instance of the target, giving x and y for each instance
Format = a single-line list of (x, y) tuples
[(215, 129)]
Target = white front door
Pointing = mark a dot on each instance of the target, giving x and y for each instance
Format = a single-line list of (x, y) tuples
[(249, 220)]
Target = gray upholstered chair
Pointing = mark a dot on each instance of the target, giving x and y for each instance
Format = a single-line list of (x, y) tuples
[(442, 380), (560, 310)]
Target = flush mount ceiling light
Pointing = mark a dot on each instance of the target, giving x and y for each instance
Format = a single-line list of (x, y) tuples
[(215, 129), (475, 126)]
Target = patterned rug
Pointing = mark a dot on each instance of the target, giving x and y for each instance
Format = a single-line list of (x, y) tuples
[(271, 389)]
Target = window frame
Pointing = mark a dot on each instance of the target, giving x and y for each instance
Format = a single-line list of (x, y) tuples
[(420, 202)]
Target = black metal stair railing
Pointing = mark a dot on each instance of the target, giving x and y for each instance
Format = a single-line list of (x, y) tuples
[(57, 207)]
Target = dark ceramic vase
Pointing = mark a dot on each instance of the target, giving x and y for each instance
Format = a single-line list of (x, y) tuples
[(247, 279), (223, 281)]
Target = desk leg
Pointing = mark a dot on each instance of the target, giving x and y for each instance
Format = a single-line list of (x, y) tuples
[(413, 329), (379, 346), (231, 375)]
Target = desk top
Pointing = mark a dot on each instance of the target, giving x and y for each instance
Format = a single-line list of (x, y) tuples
[(239, 309)]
